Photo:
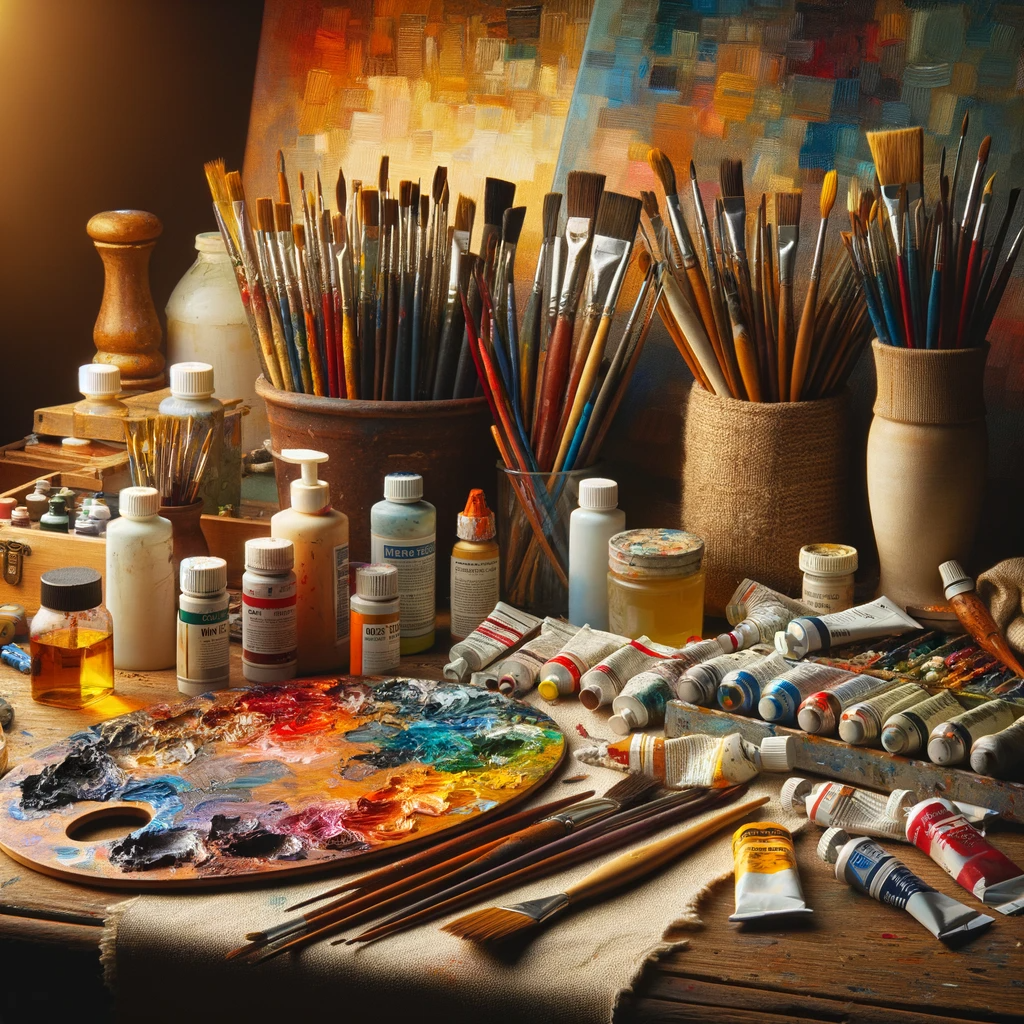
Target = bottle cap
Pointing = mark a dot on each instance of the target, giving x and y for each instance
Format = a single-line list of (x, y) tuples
[(828, 559), (100, 379), (308, 493), (42, 486), (139, 502), (794, 791), (203, 575), (954, 579), (191, 380), (377, 581), (643, 554), (476, 520), (71, 590), (269, 554), (210, 241), (599, 494), (7, 506), (623, 723), (57, 506), (770, 708), (851, 729), (21, 513), (831, 842), (945, 749), (900, 801), (777, 754), (548, 689), (98, 510), (403, 487)]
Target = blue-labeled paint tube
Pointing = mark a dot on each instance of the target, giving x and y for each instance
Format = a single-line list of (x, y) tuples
[(811, 633), (642, 702), (699, 683), (740, 690), (781, 698), (869, 869)]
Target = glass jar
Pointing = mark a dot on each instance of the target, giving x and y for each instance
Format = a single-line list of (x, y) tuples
[(656, 585), (71, 640)]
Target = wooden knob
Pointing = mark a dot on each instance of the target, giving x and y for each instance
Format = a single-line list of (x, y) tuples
[(124, 227)]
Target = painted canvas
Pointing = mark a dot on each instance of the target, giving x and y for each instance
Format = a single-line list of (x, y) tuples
[(274, 779)]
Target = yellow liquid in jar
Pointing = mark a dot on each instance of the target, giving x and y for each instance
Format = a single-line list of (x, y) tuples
[(669, 611), (72, 667)]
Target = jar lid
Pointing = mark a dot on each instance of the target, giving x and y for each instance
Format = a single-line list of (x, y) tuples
[(99, 379), (655, 552), (269, 554), (476, 520), (139, 502), (828, 559), (71, 590), (598, 494), (403, 487), (203, 574), (377, 581), (191, 380), (210, 241)]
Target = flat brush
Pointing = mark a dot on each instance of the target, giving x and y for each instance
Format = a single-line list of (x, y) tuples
[(996, 295), (307, 356), (498, 197), (716, 291), (453, 327), (267, 234), (533, 316), (974, 266), (992, 258)]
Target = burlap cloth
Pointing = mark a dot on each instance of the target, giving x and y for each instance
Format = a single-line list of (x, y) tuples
[(573, 972), (1002, 589)]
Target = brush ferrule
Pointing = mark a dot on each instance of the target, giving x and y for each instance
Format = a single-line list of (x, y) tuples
[(789, 238), (891, 198), (735, 211), (540, 910), (679, 228), (980, 223), (819, 250), (577, 236), (605, 255), (612, 298)]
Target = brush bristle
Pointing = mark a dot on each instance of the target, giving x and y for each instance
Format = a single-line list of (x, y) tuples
[(440, 180), (650, 203), (493, 924), (964, 123), (214, 171), (988, 186), (236, 191), (283, 216), (302, 182), (693, 171), (512, 224), (898, 155), (552, 208), (582, 193), (338, 228), (498, 197), (465, 213), (730, 177), (390, 213), (445, 195), (265, 213), (341, 193), (299, 235), (853, 195), (424, 211), (414, 195), (369, 207), (986, 144), (873, 216), (828, 193), (618, 216), (405, 194), (632, 790), (663, 169), (280, 162), (787, 208), (382, 174)]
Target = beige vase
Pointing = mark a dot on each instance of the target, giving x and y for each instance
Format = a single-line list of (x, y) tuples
[(926, 461)]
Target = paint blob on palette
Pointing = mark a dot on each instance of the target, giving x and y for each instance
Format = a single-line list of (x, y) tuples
[(272, 780)]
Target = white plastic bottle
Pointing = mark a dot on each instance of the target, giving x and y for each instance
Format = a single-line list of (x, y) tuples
[(141, 587), (269, 637), (403, 531), (320, 536), (591, 526), (204, 636)]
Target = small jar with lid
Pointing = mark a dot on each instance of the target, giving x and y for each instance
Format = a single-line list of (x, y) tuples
[(828, 576), (376, 624), (55, 519), (656, 585), (71, 640)]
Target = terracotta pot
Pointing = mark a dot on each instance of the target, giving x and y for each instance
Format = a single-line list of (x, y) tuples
[(449, 442), (189, 541), (927, 452)]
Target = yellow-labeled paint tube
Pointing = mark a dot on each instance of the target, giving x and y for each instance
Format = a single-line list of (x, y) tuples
[(767, 879)]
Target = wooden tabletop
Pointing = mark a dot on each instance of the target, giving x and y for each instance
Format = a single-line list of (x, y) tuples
[(853, 961)]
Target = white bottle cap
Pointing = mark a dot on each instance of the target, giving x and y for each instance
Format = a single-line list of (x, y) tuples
[(403, 487), (100, 379), (75, 442), (203, 575), (777, 754), (191, 380), (946, 749), (828, 559), (793, 792), (43, 486), (308, 493), (954, 579), (269, 554), (900, 801), (599, 494), (139, 502), (851, 728), (97, 510), (378, 581), (623, 723), (831, 842)]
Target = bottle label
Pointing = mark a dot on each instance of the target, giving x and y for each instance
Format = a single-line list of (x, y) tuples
[(416, 580), (475, 587), (341, 593), (269, 635), (204, 645), (381, 646)]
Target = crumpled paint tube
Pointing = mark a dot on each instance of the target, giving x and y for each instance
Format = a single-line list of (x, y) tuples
[(767, 880), (811, 633), (757, 613), (740, 690), (499, 633), (1000, 754), (838, 805), (951, 741), (862, 722), (699, 683), (519, 672), (819, 713)]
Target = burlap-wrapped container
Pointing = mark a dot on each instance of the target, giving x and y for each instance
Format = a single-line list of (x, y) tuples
[(760, 480)]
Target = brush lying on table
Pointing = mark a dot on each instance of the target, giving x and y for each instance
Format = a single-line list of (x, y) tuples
[(170, 454)]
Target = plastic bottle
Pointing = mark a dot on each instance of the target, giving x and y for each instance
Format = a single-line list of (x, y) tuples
[(475, 586), (269, 635), (55, 519), (320, 536), (141, 588), (204, 636), (376, 625), (403, 531), (100, 384), (591, 526)]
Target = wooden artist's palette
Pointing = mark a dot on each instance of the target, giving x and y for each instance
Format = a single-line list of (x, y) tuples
[(271, 780)]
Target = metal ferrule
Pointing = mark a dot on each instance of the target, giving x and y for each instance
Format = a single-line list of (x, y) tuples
[(702, 220), (891, 198), (577, 235), (368, 264), (605, 256), (341, 257), (596, 807), (555, 274), (542, 909), (976, 180), (819, 250), (789, 239), (460, 246), (612, 297), (979, 226), (735, 210), (249, 251), (679, 228)]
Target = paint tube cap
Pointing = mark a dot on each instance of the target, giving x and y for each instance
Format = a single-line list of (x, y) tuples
[(98, 510), (816, 716), (100, 379), (203, 575), (269, 554), (139, 502), (851, 728), (788, 645), (900, 801), (831, 842), (946, 748), (954, 579), (777, 754), (377, 582), (548, 689), (599, 494), (590, 697), (828, 559), (623, 723), (476, 520), (403, 487), (191, 380), (895, 739), (793, 792)]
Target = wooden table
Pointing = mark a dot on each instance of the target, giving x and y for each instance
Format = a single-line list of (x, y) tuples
[(853, 961)]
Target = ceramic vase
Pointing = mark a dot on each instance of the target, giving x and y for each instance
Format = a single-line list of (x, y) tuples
[(189, 540)]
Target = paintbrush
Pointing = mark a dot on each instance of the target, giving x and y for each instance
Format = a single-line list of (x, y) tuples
[(996, 295), (787, 232), (499, 924), (369, 249), (553, 292), (465, 375), (771, 368), (349, 288), (268, 244), (307, 355), (313, 337), (963, 236), (805, 334), (992, 258), (421, 288), (876, 247), (498, 197), (867, 288), (439, 275), (743, 341), (716, 291), (391, 307), (951, 212), (334, 234), (282, 180), (968, 294), (531, 334), (453, 327), (408, 202), (658, 226)]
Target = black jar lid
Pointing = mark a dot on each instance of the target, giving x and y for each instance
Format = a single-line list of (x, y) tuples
[(71, 590)]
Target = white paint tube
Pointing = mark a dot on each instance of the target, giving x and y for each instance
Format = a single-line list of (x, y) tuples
[(767, 879), (950, 741), (862, 722), (838, 805), (503, 630), (641, 703), (485, 678), (1000, 754), (604, 682), (757, 613), (696, 760), (907, 732), (935, 827), (866, 867), (561, 673), (699, 683), (865, 622), (782, 696), (819, 713), (519, 672), (740, 690)]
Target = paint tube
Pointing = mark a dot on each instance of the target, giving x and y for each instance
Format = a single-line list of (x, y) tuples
[(862, 723), (980, 817), (907, 732), (604, 682), (781, 698), (757, 613), (1000, 754), (938, 829), (696, 760), (950, 742), (499, 633), (485, 678), (699, 683), (819, 632), (767, 880), (866, 867), (561, 674), (819, 713), (740, 690), (837, 805), (519, 672)]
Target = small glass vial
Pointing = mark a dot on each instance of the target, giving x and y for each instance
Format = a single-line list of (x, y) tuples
[(20, 517), (656, 585), (55, 519), (269, 634), (475, 579), (204, 636), (828, 576), (591, 526), (376, 625), (72, 640), (100, 384)]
